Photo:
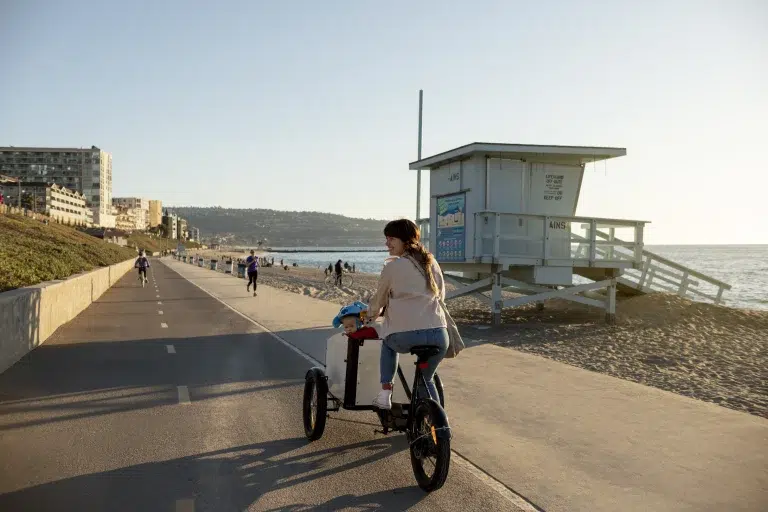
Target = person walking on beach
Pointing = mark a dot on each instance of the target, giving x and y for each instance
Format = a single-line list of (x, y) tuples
[(253, 271), (339, 270), (409, 291)]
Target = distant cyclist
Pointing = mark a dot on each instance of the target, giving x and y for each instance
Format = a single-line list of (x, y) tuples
[(253, 271), (142, 263)]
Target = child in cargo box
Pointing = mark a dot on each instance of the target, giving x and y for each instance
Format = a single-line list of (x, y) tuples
[(349, 317)]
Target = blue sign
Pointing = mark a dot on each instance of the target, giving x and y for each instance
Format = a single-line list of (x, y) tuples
[(451, 232)]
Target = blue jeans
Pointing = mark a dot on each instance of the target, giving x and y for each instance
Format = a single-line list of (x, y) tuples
[(401, 342)]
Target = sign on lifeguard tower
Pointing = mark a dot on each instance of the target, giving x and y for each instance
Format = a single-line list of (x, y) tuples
[(451, 233)]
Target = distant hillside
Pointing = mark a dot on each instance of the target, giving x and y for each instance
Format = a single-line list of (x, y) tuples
[(281, 229)]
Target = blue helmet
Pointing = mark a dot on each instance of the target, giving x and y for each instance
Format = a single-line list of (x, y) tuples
[(353, 309)]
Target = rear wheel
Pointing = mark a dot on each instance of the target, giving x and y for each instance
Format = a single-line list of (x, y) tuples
[(315, 404), (346, 280), (430, 452)]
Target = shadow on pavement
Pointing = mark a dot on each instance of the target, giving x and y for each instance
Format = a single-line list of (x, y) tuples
[(61, 382), (229, 479)]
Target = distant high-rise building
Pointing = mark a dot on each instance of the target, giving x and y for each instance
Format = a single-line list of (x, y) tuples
[(140, 207), (181, 229), (155, 213), (170, 222), (88, 171)]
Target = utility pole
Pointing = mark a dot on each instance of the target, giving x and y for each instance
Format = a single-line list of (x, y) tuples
[(418, 172)]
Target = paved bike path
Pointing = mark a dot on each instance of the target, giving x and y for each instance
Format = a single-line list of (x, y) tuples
[(193, 409), (565, 438)]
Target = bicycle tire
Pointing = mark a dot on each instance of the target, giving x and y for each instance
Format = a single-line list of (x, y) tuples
[(315, 383), (347, 281), (422, 443)]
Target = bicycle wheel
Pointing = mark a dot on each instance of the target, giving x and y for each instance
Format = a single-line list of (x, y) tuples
[(346, 280), (430, 445), (329, 281), (315, 404)]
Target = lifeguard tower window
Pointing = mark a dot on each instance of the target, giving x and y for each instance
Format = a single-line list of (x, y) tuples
[(503, 216)]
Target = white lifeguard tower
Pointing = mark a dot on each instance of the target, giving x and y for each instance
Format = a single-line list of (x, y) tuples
[(503, 217)]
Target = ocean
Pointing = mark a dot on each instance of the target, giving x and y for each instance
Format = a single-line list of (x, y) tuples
[(744, 267)]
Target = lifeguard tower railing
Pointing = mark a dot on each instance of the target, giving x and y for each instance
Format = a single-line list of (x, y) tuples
[(555, 241), (585, 243)]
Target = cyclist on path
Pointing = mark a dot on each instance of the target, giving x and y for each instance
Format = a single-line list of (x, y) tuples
[(142, 263)]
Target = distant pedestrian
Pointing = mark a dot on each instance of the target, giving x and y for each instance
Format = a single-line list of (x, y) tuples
[(253, 271), (353, 268), (339, 269)]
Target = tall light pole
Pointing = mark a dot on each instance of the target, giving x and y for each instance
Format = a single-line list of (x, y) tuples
[(418, 172)]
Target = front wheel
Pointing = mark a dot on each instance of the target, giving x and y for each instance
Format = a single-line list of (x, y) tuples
[(315, 404), (430, 445)]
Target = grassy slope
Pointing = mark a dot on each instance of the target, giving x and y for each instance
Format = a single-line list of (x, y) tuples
[(32, 252)]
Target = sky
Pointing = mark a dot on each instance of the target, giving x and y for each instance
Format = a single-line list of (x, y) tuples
[(308, 105)]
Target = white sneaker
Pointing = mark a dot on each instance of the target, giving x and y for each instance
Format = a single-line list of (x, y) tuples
[(383, 400)]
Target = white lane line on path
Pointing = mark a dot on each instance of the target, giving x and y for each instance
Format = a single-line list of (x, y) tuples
[(159, 303), (171, 349), (514, 498), (183, 395), (159, 312), (164, 325), (157, 296)]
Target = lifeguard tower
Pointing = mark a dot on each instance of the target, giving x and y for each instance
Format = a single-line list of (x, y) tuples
[(503, 217)]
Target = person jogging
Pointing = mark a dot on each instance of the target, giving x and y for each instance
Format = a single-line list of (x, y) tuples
[(253, 271)]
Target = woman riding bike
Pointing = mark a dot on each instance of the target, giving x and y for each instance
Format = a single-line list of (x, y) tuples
[(410, 290)]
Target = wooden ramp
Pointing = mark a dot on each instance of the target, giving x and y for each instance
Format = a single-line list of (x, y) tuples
[(658, 274)]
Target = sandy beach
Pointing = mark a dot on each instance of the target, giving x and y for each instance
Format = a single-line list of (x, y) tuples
[(711, 353)]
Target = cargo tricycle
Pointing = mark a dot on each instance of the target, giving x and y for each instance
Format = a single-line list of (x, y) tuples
[(350, 380)]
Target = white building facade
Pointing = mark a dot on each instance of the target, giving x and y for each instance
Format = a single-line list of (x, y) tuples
[(86, 170)]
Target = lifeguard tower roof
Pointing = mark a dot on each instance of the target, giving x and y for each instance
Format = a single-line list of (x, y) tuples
[(569, 155)]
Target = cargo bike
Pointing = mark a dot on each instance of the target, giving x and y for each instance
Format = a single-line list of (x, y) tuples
[(350, 380)]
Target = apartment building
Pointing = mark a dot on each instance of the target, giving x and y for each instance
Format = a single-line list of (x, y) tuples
[(170, 223), (155, 213), (181, 229), (87, 171), (61, 204), (139, 207)]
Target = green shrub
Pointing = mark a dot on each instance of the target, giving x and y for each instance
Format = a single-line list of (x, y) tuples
[(32, 252)]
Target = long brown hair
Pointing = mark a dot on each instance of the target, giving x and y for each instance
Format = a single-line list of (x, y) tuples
[(409, 233)]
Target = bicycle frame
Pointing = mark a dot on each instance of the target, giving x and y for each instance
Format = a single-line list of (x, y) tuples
[(412, 393)]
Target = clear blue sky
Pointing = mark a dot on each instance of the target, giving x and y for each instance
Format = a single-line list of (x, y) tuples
[(313, 105)]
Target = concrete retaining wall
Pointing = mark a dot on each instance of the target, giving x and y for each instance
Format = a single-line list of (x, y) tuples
[(28, 316)]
